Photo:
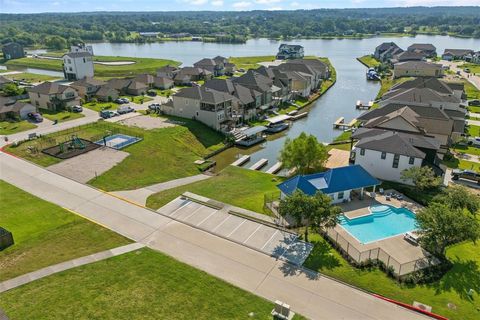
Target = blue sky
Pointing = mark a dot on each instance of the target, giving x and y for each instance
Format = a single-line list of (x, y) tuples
[(28, 6)]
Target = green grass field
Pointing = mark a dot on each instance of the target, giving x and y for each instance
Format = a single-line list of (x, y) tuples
[(138, 285), (250, 62), (471, 90), (7, 127), (369, 61), (474, 68), (45, 233), (99, 106), (474, 131), (240, 187), (141, 65), (61, 116), (451, 288), (30, 77)]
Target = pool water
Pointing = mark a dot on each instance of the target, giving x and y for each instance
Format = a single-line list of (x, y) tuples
[(384, 221)]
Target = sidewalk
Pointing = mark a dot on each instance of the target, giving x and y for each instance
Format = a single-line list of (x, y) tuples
[(47, 271), (309, 293)]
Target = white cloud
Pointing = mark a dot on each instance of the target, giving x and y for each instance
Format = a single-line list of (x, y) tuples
[(267, 1), (429, 3), (198, 2), (295, 4), (275, 8), (242, 4), (217, 3)]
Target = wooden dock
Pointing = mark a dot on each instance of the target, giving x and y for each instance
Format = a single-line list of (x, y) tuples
[(299, 116), (362, 106), (340, 124), (240, 161), (275, 168), (259, 164)]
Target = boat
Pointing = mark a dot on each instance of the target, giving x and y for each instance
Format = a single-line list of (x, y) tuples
[(277, 124)]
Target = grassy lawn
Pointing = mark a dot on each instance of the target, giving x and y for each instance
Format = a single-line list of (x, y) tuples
[(240, 187), (468, 150), (474, 130), (138, 99), (473, 109), (471, 90), (141, 65), (345, 135), (7, 127), (61, 116), (30, 77), (369, 61), (138, 285), (250, 62), (343, 146), (462, 164), (99, 106), (451, 288), (45, 233), (474, 68)]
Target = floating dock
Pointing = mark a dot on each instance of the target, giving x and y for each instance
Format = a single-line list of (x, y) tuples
[(340, 123), (259, 164), (275, 168), (362, 106), (240, 161), (299, 116)]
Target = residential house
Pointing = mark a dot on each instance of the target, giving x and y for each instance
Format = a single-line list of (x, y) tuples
[(53, 96), (186, 75), (408, 56), (4, 81), (145, 78), (245, 101), (211, 107), (77, 65), (385, 154), (456, 54), (12, 50), (290, 51), (81, 47), (167, 71), (385, 51), (120, 85), (107, 93), (163, 83), (475, 57), (137, 88), (417, 69), (216, 67), (258, 83), (427, 49), (87, 87), (14, 110), (338, 183)]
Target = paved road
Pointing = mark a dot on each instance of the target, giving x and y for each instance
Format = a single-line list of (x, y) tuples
[(454, 66), (308, 293)]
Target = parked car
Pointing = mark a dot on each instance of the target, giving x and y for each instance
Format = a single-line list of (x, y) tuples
[(474, 103), (475, 141), (125, 109), (76, 108), (105, 114), (35, 116), (121, 100), (466, 70), (152, 93), (154, 106), (466, 174)]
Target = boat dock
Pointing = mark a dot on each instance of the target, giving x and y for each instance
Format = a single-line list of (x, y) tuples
[(259, 164), (240, 161), (340, 123), (362, 106), (275, 168), (299, 116)]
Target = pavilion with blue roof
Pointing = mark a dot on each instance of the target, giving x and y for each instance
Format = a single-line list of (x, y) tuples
[(338, 183)]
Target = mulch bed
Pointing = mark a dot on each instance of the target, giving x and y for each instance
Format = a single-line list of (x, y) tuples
[(70, 153)]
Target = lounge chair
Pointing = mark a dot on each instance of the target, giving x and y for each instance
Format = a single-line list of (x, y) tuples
[(412, 237), (399, 197), (387, 197), (381, 191)]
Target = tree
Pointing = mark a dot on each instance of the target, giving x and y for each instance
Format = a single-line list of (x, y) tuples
[(309, 211), (458, 197), (11, 89), (442, 226), (422, 177), (56, 42), (304, 154)]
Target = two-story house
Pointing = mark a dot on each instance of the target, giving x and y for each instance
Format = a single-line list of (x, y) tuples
[(53, 96), (12, 50), (427, 49), (87, 87), (77, 65), (290, 51)]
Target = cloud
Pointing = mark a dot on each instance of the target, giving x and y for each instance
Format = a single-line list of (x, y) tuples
[(217, 3), (242, 4), (198, 2), (267, 1), (275, 8), (295, 4), (428, 3)]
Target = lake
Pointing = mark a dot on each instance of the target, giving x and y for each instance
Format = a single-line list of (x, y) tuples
[(339, 101)]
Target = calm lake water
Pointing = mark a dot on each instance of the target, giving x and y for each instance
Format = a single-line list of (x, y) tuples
[(339, 101)]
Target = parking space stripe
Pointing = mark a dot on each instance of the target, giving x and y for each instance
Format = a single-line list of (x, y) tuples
[(211, 214), (236, 228), (228, 217), (191, 214), (184, 205), (259, 226), (269, 240)]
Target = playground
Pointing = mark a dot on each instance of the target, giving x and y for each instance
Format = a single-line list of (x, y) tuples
[(71, 147)]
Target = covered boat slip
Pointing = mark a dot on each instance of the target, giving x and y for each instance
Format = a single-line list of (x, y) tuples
[(277, 123), (251, 136)]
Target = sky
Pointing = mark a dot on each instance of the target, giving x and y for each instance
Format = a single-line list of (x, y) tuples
[(35, 6)]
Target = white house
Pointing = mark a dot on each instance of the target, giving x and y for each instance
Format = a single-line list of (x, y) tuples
[(338, 183), (385, 154), (82, 48), (77, 65)]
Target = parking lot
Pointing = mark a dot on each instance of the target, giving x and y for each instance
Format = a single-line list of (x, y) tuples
[(255, 235)]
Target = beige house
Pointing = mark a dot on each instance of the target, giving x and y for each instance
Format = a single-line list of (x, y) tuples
[(417, 69), (53, 96), (107, 93), (87, 87)]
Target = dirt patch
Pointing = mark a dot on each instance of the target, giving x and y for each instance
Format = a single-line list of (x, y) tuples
[(87, 166), (147, 122), (337, 158)]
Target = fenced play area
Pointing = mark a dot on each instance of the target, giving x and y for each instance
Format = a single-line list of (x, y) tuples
[(79, 140)]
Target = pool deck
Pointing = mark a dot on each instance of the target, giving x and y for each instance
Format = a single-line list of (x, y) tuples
[(396, 247)]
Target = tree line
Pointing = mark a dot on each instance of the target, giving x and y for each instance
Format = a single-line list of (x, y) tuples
[(57, 30)]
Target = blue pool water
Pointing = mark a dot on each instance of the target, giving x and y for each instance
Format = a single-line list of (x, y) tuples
[(383, 222)]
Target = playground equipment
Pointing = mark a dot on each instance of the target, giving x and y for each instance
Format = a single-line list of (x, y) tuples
[(74, 143)]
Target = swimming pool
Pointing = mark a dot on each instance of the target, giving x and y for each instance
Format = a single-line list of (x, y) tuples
[(384, 221)]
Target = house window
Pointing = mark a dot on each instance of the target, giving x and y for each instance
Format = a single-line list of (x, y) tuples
[(383, 156), (396, 159), (340, 195), (411, 160), (362, 152)]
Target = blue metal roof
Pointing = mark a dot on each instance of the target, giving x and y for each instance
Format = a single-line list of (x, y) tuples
[(330, 181)]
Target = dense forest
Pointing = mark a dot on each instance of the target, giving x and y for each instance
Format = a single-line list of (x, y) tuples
[(57, 30)]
